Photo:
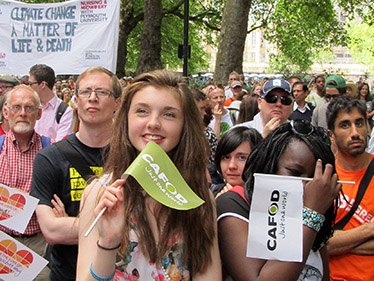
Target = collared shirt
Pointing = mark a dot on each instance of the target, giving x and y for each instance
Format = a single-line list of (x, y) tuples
[(302, 110), (47, 125), (16, 171), (256, 123)]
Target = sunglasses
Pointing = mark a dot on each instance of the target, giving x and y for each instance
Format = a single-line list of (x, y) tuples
[(214, 87), (330, 96), (304, 127), (274, 99)]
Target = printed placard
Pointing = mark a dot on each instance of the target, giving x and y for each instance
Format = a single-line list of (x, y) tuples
[(275, 221), (81, 32), (16, 208), (17, 262), (159, 177)]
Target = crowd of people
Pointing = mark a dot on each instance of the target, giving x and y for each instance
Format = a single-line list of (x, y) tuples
[(67, 143)]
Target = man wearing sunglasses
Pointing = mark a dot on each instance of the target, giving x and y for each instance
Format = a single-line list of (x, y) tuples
[(335, 86), (275, 104)]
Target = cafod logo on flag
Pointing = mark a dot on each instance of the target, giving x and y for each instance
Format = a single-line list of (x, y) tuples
[(275, 219), (159, 177)]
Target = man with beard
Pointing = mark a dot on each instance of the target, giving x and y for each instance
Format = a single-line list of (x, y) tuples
[(351, 249), (18, 150)]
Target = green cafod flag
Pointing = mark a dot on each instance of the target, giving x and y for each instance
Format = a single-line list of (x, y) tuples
[(159, 177)]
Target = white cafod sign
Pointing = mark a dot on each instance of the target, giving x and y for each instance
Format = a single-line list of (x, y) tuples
[(275, 220)]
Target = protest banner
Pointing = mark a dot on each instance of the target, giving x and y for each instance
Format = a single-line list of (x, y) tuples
[(16, 208), (159, 177), (275, 221), (17, 262), (68, 36)]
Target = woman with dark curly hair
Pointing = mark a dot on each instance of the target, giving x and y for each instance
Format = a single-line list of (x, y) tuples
[(294, 149)]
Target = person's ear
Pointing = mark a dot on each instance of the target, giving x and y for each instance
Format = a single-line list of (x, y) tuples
[(39, 114), (259, 102), (332, 135), (118, 102), (5, 111)]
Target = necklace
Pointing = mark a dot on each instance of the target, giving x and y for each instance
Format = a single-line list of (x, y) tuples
[(165, 273)]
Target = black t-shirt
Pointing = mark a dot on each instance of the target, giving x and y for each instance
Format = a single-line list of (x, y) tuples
[(53, 174), (232, 204)]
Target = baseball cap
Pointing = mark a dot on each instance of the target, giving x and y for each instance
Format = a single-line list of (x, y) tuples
[(9, 79), (275, 84), (339, 80), (236, 84)]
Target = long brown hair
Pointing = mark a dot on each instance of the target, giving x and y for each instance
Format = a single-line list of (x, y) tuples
[(190, 156)]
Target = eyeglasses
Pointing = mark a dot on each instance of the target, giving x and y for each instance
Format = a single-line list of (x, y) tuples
[(29, 83), (304, 127), (18, 108), (274, 99), (5, 87), (100, 93)]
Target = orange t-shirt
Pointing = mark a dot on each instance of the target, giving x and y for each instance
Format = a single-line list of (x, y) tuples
[(229, 101), (348, 266)]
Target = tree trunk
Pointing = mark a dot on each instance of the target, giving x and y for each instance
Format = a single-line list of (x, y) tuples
[(232, 39), (150, 52), (122, 49)]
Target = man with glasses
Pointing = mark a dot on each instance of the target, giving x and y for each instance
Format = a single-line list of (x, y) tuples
[(59, 181), (275, 104), (351, 249), (7, 82), (18, 149), (42, 79), (335, 86)]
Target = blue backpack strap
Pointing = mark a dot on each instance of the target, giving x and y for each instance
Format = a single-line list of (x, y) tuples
[(2, 137), (46, 141)]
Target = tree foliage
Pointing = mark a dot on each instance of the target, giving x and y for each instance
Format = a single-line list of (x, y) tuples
[(361, 44)]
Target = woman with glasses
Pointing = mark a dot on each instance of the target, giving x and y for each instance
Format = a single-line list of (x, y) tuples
[(294, 149)]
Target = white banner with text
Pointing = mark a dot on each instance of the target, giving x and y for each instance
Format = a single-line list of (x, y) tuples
[(68, 36)]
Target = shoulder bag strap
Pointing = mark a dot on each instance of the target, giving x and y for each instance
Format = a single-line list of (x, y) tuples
[(2, 137), (60, 111), (360, 194), (75, 158)]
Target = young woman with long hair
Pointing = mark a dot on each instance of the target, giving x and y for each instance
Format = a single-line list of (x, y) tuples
[(154, 242)]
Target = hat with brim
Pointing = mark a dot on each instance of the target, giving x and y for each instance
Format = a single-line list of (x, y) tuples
[(353, 87), (9, 79), (275, 84), (236, 84), (235, 105)]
